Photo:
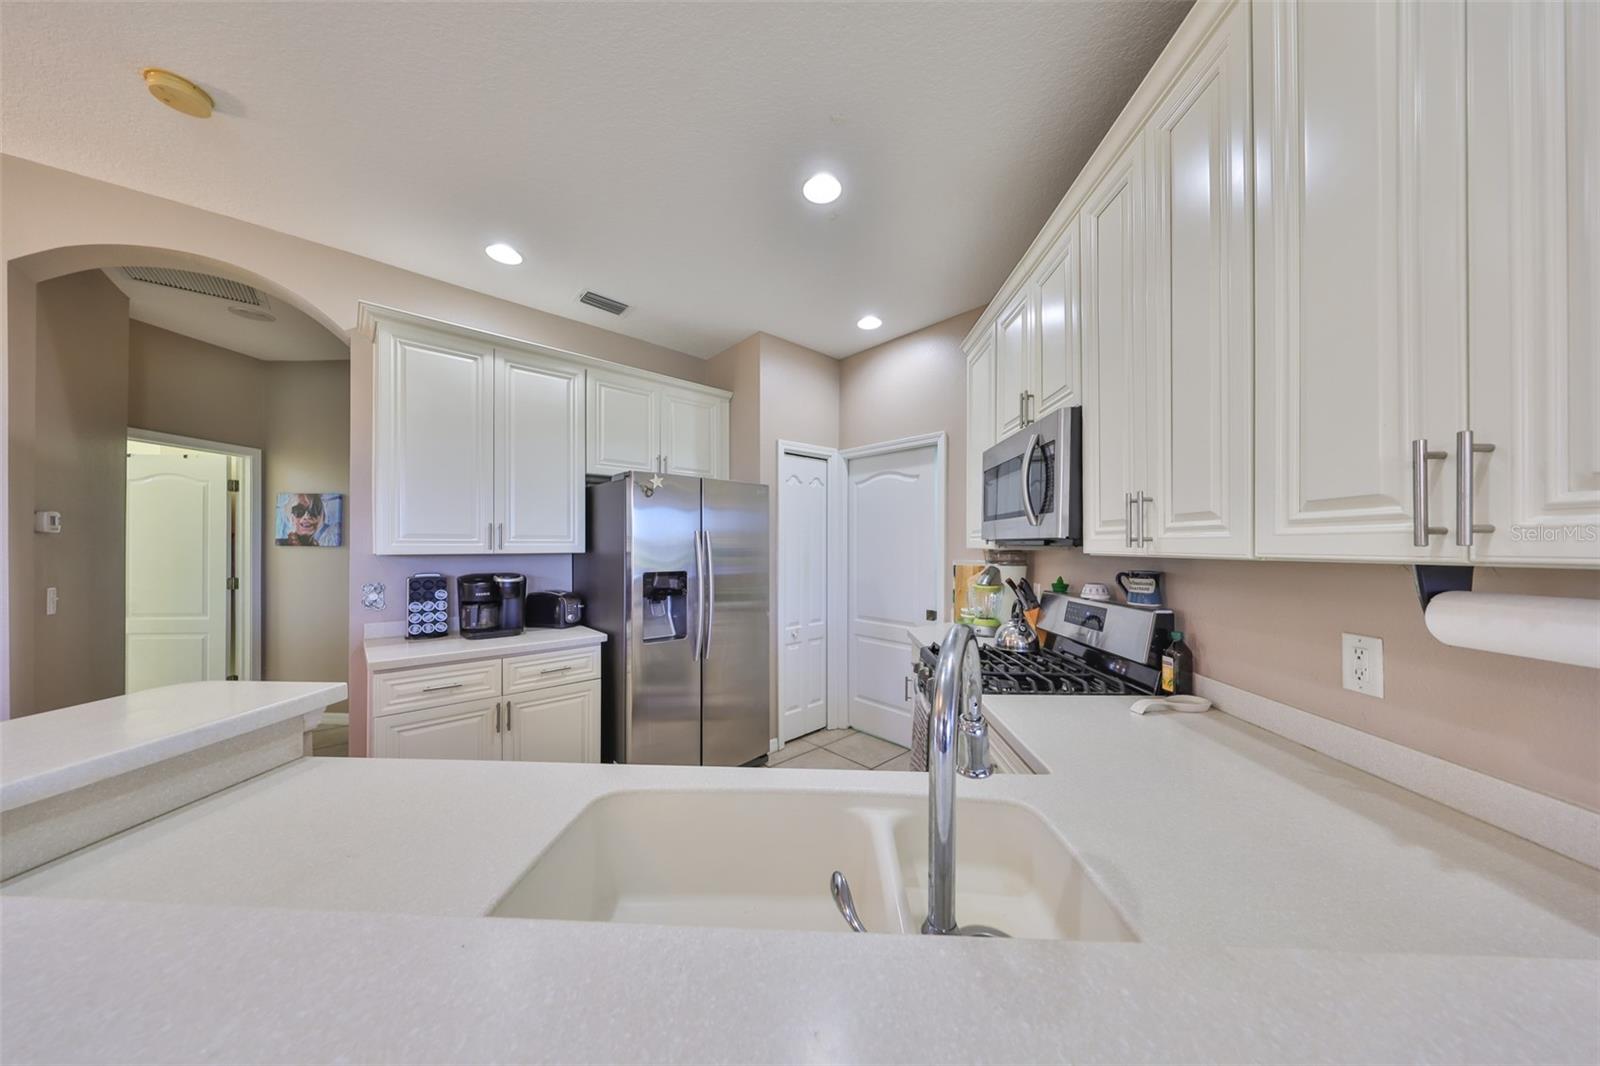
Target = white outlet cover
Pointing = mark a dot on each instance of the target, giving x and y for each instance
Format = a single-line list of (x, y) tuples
[(1363, 665)]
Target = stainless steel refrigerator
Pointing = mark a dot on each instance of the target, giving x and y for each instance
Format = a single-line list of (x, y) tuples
[(676, 576)]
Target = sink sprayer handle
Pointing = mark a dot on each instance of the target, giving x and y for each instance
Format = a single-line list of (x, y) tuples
[(844, 901)]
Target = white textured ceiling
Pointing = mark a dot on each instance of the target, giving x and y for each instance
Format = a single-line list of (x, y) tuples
[(292, 336), (650, 151)]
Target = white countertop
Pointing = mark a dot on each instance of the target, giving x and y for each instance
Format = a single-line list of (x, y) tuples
[(44, 755), (1290, 907), (392, 653)]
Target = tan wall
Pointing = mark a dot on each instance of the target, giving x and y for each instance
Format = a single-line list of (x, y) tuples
[(739, 371), (298, 414), (799, 400), (21, 330), (1274, 629), (79, 448), (911, 385)]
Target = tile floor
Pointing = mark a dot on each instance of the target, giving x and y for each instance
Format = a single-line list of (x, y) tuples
[(841, 749)]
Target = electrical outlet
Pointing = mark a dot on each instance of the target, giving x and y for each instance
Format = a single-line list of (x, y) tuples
[(1363, 665)]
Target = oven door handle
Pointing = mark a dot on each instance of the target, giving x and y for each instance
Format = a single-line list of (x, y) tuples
[(1027, 467)]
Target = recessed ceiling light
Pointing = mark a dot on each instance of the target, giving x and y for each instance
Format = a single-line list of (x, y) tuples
[(821, 188), (503, 253), (870, 322)]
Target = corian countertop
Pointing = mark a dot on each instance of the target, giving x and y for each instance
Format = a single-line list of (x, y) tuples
[(1289, 908), (44, 755), (392, 653)]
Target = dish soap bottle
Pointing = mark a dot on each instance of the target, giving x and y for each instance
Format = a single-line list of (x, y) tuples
[(1177, 667)]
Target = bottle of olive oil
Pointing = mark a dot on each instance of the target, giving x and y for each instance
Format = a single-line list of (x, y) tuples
[(1177, 667)]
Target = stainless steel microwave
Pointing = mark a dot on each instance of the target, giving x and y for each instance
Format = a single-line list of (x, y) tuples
[(1032, 483)]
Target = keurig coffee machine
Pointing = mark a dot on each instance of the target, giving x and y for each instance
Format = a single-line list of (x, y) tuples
[(490, 604)]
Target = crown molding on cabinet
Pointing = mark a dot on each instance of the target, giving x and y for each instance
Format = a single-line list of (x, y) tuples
[(1180, 52)]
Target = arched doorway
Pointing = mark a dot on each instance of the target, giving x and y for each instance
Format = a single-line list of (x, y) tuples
[(184, 367)]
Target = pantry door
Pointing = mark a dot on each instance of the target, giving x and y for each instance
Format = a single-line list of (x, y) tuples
[(895, 552), (802, 594)]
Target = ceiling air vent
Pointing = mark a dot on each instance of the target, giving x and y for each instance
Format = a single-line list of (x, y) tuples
[(203, 284), (604, 303)]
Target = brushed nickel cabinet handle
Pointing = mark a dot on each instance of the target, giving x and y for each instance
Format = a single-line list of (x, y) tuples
[(497, 717), (508, 716), (1466, 451), (556, 670), (1420, 529), (441, 688), (1127, 519)]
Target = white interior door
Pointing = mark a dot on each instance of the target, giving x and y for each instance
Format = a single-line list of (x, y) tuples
[(802, 595), (895, 554), (177, 569)]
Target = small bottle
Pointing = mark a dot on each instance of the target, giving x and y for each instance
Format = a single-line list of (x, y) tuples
[(1177, 667)]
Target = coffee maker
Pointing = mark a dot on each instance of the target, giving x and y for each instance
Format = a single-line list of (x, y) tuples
[(490, 604)]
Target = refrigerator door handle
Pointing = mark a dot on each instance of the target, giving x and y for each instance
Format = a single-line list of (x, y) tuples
[(700, 599), (708, 585)]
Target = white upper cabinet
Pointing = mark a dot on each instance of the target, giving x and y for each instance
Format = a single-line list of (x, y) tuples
[(624, 423), (1115, 417), (539, 454), (694, 434), (1533, 141), (980, 432), (434, 443), (1013, 358), (1058, 371), (641, 423), (1360, 275), (1197, 377)]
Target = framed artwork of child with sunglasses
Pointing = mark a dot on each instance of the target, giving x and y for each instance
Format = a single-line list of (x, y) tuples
[(310, 519)]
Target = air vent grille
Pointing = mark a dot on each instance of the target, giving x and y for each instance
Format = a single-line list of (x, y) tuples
[(603, 303), (193, 281)]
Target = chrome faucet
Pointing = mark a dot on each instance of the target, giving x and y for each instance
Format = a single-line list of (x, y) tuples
[(958, 742)]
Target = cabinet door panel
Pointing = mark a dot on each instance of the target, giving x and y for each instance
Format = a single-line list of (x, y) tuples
[(433, 461), (539, 454), (1199, 355), (623, 427), (1360, 264), (980, 432), (555, 725), (1534, 143), (1114, 417), (1059, 381), (694, 434), (1012, 356), (457, 731)]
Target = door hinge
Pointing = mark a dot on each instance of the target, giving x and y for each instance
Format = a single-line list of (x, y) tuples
[(233, 484), (233, 584)]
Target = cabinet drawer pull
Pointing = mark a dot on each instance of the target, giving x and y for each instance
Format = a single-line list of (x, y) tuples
[(441, 688), (1421, 528), (1467, 450), (1127, 519), (555, 669), (508, 716)]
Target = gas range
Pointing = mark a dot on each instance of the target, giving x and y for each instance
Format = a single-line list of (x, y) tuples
[(1099, 649)]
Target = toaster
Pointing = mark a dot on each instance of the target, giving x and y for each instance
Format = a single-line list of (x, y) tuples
[(553, 610)]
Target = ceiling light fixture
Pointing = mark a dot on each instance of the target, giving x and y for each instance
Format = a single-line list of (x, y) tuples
[(869, 322), (503, 253), (177, 92), (821, 188)]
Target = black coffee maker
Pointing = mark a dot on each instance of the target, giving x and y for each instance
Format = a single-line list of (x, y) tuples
[(490, 604)]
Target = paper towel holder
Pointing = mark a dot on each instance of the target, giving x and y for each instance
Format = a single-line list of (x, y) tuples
[(1434, 578)]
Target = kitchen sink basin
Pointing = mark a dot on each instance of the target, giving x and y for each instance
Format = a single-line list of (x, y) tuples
[(761, 860)]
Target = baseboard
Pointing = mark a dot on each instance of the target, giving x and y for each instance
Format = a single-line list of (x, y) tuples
[(1562, 827)]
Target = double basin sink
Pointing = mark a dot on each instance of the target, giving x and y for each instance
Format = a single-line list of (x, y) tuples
[(762, 860)]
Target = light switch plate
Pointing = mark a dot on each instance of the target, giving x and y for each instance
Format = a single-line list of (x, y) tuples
[(1363, 665)]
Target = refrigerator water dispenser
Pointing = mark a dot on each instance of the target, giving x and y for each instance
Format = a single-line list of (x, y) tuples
[(665, 592)]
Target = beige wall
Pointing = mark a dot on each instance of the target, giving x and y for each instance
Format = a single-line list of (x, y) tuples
[(739, 371), (911, 385), (79, 447), (1274, 629), (298, 414)]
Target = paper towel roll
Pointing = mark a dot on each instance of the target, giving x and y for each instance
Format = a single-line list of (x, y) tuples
[(1555, 628)]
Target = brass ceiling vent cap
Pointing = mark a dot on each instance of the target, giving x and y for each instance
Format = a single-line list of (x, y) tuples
[(178, 92)]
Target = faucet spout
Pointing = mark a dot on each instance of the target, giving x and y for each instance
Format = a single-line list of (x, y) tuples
[(957, 702)]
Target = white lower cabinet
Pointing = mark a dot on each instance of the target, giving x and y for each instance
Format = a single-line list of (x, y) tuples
[(554, 725), (543, 707), (452, 731)]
